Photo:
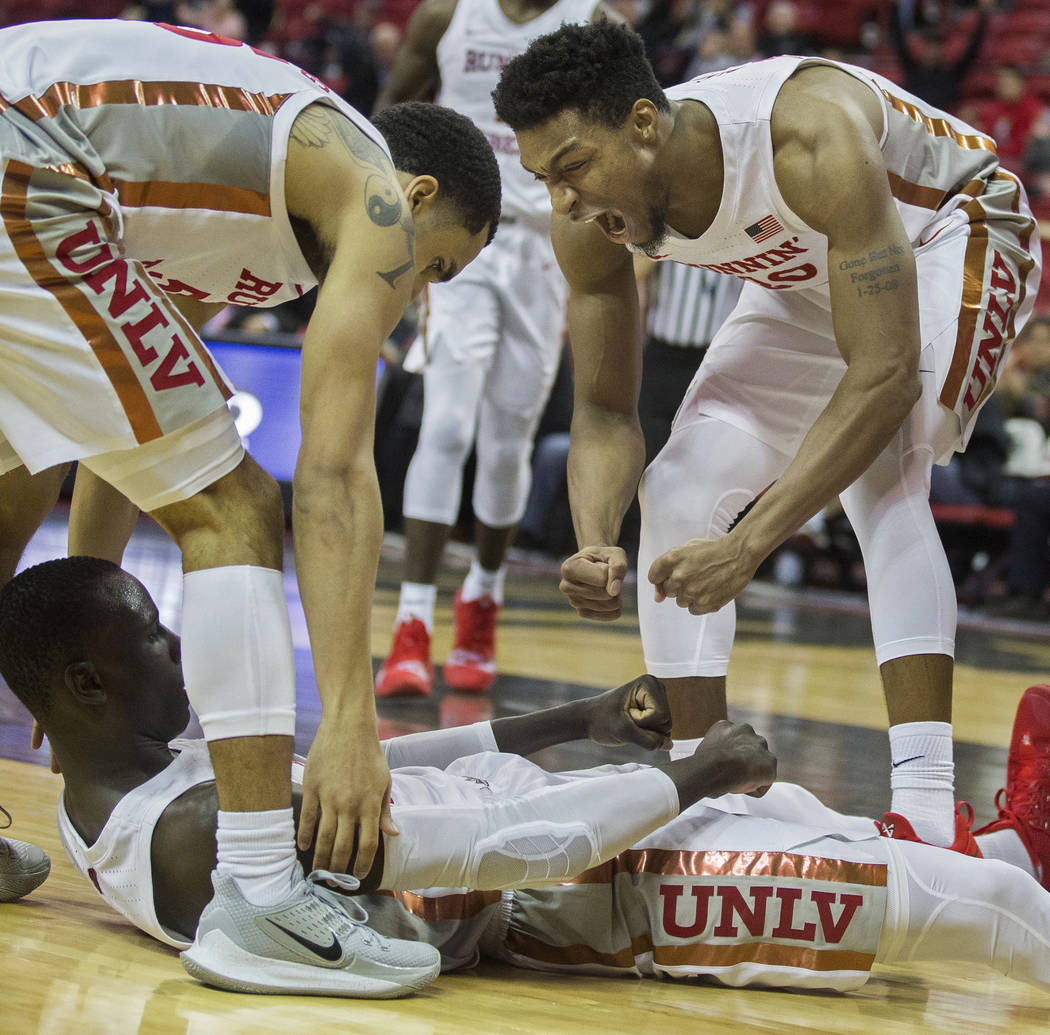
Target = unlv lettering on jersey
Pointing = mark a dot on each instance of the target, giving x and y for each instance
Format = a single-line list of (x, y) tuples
[(1001, 299), (768, 911), (147, 329)]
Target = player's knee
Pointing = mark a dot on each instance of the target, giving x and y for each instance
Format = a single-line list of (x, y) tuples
[(447, 440), (244, 509), (532, 855)]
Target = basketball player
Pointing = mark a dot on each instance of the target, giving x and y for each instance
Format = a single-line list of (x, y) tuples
[(492, 342), (888, 262), (144, 164), (616, 870)]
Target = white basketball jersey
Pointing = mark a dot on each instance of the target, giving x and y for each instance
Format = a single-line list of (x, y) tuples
[(118, 863), (479, 41), (935, 162), (187, 131)]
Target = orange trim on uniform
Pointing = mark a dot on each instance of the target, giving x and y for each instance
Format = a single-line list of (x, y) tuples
[(1025, 266), (916, 194), (701, 955), (132, 396), (777, 865), (447, 907), (974, 262), (940, 127), (215, 197), (134, 91), (974, 272)]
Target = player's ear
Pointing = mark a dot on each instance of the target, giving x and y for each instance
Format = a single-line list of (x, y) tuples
[(83, 682), (421, 190)]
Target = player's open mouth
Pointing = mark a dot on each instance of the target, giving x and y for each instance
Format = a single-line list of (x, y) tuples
[(613, 226)]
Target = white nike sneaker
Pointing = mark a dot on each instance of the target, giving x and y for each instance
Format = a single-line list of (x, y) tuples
[(23, 866), (314, 942)]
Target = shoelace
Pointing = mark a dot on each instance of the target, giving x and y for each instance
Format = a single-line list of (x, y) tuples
[(1024, 796), (412, 639), (481, 629), (354, 912), (7, 816)]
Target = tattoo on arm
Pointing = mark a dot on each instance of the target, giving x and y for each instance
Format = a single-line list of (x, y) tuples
[(876, 272), (318, 126)]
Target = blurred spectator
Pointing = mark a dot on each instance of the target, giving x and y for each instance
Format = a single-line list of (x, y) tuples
[(1035, 168), (385, 40), (1024, 392), (780, 32), (929, 71), (733, 44), (1011, 117)]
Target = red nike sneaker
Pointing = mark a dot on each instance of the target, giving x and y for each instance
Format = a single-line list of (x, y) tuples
[(471, 664), (1024, 803), (407, 672), (895, 826)]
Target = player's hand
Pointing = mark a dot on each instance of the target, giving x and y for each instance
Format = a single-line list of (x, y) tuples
[(592, 579), (701, 575), (36, 742), (740, 757), (346, 797), (635, 713)]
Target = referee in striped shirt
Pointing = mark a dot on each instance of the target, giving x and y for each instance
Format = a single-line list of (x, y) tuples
[(684, 306)]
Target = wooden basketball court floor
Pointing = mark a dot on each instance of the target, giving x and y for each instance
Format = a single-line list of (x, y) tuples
[(802, 672)]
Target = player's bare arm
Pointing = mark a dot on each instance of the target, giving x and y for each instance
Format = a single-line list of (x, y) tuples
[(414, 74), (830, 171), (607, 452), (344, 188)]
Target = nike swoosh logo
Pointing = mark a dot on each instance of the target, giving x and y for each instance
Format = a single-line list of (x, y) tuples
[(893, 765), (331, 953)]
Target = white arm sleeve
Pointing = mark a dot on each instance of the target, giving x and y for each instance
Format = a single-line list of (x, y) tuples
[(439, 748), (545, 836)]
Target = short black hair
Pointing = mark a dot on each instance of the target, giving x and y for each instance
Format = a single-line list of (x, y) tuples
[(599, 70), (427, 139), (48, 617)]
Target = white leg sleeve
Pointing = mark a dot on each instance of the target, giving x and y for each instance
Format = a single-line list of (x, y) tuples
[(703, 477), (544, 837), (451, 395), (910, 588), (503, 476), (947, 906), (237, 652)]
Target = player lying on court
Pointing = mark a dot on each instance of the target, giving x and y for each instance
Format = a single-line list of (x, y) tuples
[(152, 175), (617, 869)]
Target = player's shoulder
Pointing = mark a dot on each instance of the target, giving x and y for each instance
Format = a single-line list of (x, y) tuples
[(330, 158), (431, 19), (819, 100)]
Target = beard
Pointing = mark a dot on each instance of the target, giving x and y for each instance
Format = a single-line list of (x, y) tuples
[(657, 226)]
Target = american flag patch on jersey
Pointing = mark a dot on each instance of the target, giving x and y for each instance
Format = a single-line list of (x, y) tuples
[(765, 227)]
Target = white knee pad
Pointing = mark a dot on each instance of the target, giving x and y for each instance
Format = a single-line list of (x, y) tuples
[(237, 655), (705, 475), (910, 588), (451, 396), (503, 477)]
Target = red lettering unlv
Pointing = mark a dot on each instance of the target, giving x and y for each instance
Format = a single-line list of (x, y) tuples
[(116, 281), (733, 910), (1000, 301)]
